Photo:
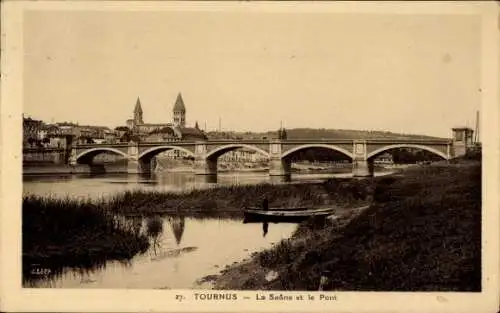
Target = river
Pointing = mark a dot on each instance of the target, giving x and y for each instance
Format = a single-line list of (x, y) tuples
[(95, 186), (185, 250)]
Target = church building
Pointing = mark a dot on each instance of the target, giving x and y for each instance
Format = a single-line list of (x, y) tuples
[(171, 131)]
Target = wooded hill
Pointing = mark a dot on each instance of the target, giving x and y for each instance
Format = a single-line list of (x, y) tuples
[(307, 133)]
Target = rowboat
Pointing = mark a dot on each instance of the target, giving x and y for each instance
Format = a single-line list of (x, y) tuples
[(298, 214)]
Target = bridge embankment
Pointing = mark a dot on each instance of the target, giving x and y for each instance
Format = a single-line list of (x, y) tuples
[(421, 218)]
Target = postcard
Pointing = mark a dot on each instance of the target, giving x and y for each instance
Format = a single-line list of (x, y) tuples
[(249, 156)]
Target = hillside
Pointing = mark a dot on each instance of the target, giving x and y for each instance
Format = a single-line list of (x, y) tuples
[(306, 133)]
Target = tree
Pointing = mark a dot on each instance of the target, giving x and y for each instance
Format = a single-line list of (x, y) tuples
[(122, 128), (125, 137), (135, 138)]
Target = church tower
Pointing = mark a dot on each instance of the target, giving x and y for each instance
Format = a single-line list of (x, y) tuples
[(138, 113), (179, 112)]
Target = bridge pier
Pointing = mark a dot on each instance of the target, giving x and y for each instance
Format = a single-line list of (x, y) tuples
[(135, 166), (279, 167), (204, 166), (361, 165), (72, 157), (362, 168), (204, 180), (280, 179)]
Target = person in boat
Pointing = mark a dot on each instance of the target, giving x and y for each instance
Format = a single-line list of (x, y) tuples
[(265, 204)]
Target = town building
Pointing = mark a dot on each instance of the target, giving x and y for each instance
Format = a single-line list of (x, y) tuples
[(171, 131), (384, 159), (31, 130)]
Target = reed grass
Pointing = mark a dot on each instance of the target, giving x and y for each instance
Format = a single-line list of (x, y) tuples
[(220, 201), (69, 232)]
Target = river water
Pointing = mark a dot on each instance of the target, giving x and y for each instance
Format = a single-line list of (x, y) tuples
[(95, 186), (185, 250)]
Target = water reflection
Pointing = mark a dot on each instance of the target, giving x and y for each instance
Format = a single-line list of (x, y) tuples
[(265, 228), (176, 258), (154, 229), (202, 180), (177, 223), (280, 179)]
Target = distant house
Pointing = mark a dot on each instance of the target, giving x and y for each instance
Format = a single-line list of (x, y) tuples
[(99, 141), (59, 141), (191, 133), (31, 130), (50, 130), (165, 133), (110, 136), (385, 158)]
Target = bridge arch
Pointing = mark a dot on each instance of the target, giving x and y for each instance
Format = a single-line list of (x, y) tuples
[(221, 150), (95, 151), (422, 147), (156, 150), (308, 146)]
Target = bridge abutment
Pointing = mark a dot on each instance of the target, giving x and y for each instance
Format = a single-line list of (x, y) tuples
[(462, 141)]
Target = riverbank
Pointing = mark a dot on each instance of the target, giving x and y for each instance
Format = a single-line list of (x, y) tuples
[(421, 233), (59, 233)]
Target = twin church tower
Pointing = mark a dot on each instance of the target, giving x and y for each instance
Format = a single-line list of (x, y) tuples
[(179, 118)]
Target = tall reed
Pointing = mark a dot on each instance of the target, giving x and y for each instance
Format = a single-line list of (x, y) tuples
[(71, 232)]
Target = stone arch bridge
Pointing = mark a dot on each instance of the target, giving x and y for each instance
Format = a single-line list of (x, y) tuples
[(140, 156)]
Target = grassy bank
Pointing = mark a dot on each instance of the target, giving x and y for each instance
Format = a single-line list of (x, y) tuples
[(229, 200), (220, 201), (58, 233), (422, 233)]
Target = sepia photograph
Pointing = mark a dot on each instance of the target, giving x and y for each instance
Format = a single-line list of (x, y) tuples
[(279, 154)]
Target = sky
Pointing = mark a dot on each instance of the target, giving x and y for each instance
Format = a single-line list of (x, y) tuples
[(418, 74)]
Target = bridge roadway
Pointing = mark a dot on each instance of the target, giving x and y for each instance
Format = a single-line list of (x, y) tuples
[(141, 155)]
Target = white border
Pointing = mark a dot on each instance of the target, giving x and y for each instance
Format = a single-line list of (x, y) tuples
[(14, 298)]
